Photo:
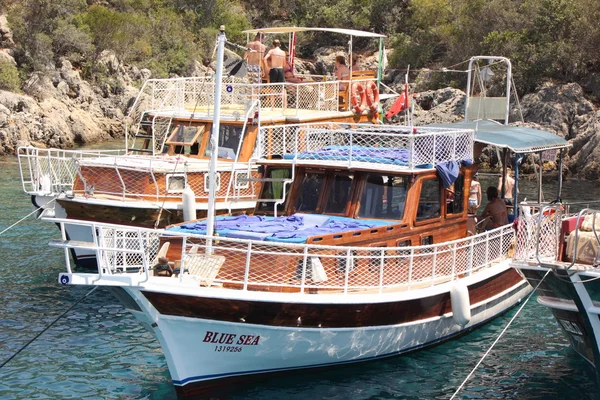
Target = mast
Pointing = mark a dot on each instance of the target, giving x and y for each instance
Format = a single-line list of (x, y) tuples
[(214, 137)]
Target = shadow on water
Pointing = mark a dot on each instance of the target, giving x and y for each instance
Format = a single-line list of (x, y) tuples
[(98, 350)]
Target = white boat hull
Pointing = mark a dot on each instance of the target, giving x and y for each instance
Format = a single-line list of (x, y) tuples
[(205, 353)]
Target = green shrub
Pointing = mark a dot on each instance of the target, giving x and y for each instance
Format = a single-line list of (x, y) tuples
[(9, 77)]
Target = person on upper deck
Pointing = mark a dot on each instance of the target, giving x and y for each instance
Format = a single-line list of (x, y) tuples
[(288, 71), (341, 71), (494, 211), (254, 57), (276, 57)]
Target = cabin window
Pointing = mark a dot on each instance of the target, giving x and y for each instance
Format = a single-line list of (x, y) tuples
[(383, 197), (229, 141), (339, 194), (429, 201), (309, 192), (207, 182), (175, 183), (242, 180), (426, 240), (455, 196), (274, 190), (186, 139)]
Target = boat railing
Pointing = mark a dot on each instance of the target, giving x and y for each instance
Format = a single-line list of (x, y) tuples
[(53, 171), (113, 173), (538, 233), (250, 265), (193, 97), (352, 144), (124, 178)]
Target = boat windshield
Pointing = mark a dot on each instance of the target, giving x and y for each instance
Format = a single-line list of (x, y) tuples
[(383, 197), (229, 140), (309, 192), (339, 194)]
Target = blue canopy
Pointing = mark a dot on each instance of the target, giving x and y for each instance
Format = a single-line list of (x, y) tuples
[(516, 138)]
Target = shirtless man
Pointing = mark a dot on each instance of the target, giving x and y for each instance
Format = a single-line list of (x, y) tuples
[(254, 57), (341, 70), (509, 187), (277, 58), (495, 210)]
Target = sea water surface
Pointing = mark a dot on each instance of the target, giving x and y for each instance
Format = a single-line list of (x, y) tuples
[(99, 351)]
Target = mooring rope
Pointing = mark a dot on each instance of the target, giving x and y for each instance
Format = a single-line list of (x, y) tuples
[(48, 327), (499, 336), (25, 217)]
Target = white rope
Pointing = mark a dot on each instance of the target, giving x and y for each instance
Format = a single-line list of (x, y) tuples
[(22, 219), (499, 336)]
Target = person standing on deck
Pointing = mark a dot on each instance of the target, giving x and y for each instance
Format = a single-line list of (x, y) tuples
[(276, 56), (509, 186), (254, 57), (474, 195)]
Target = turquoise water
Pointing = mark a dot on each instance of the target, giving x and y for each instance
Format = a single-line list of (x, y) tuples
[(98, 351)]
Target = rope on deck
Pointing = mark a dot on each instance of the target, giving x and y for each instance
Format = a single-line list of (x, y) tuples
[(47, 327), (22, 219), (499, 336)]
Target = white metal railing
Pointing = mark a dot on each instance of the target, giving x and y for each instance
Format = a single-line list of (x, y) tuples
[(52, 171), (255, 265), (408, 147), (538, 233)]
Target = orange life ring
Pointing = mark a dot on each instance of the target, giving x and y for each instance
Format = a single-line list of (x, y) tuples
[(372, 96), (357, 96)]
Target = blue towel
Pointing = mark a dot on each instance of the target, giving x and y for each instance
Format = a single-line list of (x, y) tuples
[(448, 172)]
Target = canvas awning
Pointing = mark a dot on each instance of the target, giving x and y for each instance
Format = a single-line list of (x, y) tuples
[(291, 29), (516, 138)]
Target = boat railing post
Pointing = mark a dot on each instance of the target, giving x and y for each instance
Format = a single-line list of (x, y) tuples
[(410, 266), (100, 253), (347, 272), (304, 260), (433, 269), (157, 190), (124, 189), (470, 256), (454, 248), (247, 270), (63, 236), (381, 264), (487, 249), (183, 257), (144, 256), (351, 139)]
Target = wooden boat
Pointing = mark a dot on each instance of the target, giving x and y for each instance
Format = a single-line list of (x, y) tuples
[(163, 171), (356, 251)]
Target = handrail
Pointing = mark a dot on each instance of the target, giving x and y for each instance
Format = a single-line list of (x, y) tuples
[(407, 266)]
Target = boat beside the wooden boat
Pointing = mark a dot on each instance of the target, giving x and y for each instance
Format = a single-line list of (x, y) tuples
[(167, 149), (557, 251), (356, 251)]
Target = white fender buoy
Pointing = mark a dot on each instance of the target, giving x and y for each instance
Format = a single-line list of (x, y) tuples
[(461, 304), (188, 201), (45, 184)]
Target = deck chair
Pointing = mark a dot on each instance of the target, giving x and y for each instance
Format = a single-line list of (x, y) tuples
[(162, 253), (204, 266)]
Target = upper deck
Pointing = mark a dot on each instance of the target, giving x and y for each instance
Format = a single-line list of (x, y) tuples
[(363, 146)]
